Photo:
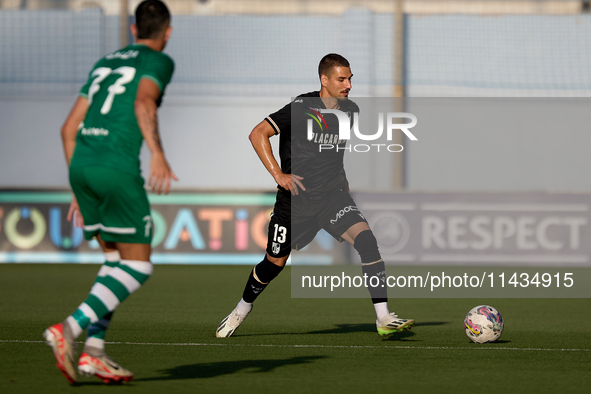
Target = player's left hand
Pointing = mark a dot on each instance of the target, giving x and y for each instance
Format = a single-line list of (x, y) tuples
[(74, 213), (160, 174)]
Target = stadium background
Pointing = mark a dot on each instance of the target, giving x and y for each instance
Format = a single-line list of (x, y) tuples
[(237, 61)]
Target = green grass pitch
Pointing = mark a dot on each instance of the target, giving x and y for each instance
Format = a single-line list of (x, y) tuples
[(165, 334)]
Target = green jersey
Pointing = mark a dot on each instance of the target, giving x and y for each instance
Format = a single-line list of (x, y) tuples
[(110, 135)]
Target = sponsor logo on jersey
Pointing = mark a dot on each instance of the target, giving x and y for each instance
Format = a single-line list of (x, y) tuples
[(317, 116), (94, 131), (324, 137)]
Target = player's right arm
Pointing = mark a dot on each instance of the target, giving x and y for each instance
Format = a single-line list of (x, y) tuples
[(71, 125), (259, 138), (146, 107), (69, 132)]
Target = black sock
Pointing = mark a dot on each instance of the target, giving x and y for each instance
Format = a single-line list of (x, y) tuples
[(380, 293), (263, 273), (372, 265)]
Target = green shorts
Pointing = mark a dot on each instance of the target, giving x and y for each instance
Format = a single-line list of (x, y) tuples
[(113, 204)]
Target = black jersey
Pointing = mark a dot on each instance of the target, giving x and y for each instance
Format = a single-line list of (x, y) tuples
[(301, 154)]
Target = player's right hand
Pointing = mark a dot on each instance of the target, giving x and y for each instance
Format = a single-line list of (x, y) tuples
[(160, 174), (290, 182), (74, 213)]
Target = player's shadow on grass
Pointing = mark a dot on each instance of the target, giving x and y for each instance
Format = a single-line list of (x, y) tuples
[(211, 370), (431, 323), (369, 328), (352, 328), (346, 329)]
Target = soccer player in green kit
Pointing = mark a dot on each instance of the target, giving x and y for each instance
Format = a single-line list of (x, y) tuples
[(115, 111)]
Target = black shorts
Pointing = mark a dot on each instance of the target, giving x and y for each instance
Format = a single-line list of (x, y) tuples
[(334, 212)]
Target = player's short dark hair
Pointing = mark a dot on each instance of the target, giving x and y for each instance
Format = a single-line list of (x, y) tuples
[(329, 61), (151, 19)]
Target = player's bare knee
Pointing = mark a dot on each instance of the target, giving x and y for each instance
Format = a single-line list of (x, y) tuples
[(136, 251)]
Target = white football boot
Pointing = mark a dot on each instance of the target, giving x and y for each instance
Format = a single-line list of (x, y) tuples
[(229, 324), (63, 350), (391, 324), (104, 368)]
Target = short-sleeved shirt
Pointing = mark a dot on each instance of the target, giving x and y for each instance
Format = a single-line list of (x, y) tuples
[(110, 135), (323, 170)]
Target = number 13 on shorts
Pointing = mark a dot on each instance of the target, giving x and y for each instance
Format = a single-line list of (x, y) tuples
[(280, 234)]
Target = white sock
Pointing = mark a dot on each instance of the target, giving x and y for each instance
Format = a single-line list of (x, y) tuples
[(74, 326), (110, 257), (95, 342), (381, 309), (244, 307)]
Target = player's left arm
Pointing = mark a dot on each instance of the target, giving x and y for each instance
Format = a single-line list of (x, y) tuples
[(147, 96)]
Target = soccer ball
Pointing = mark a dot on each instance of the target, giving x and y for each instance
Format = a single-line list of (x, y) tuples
[(483, 324)]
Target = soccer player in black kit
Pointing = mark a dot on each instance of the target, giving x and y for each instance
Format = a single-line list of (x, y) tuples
[(312, 190)]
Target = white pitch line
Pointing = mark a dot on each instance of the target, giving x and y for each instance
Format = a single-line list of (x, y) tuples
[(324, 346)]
